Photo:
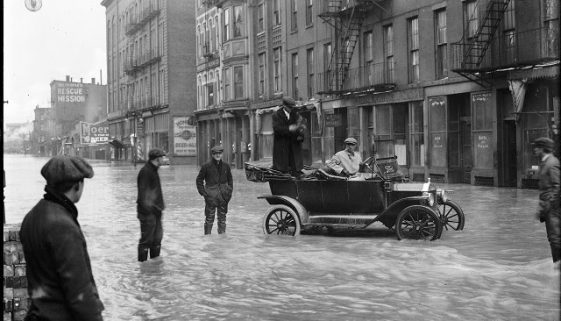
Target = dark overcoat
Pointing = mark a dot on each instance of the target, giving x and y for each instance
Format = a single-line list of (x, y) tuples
[(149, 197), (549, 211), (287, 147), (214, 182), (59, 274)]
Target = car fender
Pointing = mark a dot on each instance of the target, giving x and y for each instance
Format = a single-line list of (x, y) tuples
[(389, 215), (298, 208)]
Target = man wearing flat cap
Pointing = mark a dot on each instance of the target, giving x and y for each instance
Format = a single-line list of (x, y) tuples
[(215, 184), (149, 206), (60, 282), (288, 131), (346, 162), (548, 185)]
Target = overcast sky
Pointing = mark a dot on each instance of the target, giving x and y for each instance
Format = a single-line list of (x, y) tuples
[(65, 37)]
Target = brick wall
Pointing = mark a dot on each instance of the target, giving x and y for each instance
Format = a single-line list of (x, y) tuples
[(16, 301)]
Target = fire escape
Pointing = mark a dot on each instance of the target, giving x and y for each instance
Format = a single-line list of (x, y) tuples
[(473, 48), (347, 17)]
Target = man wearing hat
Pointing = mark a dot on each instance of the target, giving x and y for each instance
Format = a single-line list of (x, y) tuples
[(60, 282), (215, 184), (150, 205), (346, 162), (288, 131), (548, 185)]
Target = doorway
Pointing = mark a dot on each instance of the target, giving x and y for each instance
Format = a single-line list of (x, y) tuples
[(509, 166)]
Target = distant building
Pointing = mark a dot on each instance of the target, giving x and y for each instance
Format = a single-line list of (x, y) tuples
[(151, 72), (43, 132), (74, 102)]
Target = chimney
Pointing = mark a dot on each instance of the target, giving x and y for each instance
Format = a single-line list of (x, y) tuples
[(93, 81), (81, 80), (70, 79), (67, 78)]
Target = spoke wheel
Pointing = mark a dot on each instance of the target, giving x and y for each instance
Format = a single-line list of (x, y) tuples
[(281, 220), (451, 216), (418, 222)]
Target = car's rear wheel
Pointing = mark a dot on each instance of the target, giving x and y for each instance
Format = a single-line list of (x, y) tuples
[(452, 216), (281, 220), (418, 222)]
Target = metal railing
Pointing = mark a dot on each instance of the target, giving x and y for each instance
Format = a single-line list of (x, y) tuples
[(363, 77), (509, 49)]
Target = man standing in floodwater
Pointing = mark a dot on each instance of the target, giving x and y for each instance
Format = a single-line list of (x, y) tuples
[(59, 274)]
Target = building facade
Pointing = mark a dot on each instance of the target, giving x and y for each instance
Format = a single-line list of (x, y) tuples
[(456, 89), (43, 132), (151, 72)]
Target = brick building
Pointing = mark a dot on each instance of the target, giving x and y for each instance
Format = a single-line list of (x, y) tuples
[(456, 89), (151, 72), (43, 131)]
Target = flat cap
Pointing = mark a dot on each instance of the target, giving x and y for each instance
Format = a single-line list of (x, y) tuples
[(543, 142), (287, 101), (351, 140), (217, 149), (155, 153), (61, 169)]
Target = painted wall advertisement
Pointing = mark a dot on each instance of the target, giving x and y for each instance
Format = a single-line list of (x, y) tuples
[(185, 137), (70, 93), (94, 133)]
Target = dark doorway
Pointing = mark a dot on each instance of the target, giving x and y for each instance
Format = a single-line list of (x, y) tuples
[(460, 159), (509, 167)]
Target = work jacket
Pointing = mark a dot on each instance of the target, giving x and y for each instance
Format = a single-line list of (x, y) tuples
[(215, 183), (150, 199)]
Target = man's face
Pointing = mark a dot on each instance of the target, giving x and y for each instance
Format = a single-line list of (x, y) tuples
[(79, 192), (538, 151), (217, 156), (287, 108), (351, 147), (158, 161)]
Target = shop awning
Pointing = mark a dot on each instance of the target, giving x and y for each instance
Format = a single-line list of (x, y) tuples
[(117, 143)]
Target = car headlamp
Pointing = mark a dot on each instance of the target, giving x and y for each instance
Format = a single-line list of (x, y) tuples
[(430, 198), (441, 195)]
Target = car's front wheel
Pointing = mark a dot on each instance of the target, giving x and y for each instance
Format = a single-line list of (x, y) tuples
[(451, 216), (418, 222), (281, 220)]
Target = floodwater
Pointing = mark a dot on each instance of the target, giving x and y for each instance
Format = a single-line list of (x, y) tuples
[(497, 268)]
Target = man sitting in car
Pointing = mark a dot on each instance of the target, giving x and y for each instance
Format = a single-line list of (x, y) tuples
[(347, 162)]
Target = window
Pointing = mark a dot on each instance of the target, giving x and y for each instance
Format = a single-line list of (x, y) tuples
[(391, 126), (509, 34), (276, 13), (294, 15), (212, 35), (326, 62), (277, 69), (471, 15), (551, 28), (441, 44), (295, 93), (238, 82), (368, 57), (238, 21), (310, 68), (417, 137), (227, 83), (260, 22), (309, 16), (226, 35), (261, 75), (388, 53), (413, 50)]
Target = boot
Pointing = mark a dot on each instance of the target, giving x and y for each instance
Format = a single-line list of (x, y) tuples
[(208, 228), (155, 251), (142, 253), (221, 228)]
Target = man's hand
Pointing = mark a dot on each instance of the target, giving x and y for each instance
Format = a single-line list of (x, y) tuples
[(292, 128)]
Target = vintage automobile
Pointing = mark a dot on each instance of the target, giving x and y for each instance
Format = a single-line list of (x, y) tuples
[(413, 210)]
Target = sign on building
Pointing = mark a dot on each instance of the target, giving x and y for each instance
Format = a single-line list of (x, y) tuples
[(185, 137), (94, 133), (69, 92)]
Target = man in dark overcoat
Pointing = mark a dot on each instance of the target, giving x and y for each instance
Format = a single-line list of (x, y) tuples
[(149, 206), (60, 282), (548, 185), (214, 183), (288, 131)]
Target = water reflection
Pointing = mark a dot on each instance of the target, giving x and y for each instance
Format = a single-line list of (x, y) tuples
[(498, 268)]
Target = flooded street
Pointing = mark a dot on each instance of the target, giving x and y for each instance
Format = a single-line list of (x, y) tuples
[(497, 268)]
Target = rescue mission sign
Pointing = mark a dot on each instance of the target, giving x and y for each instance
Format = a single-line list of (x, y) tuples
[(70, 93)]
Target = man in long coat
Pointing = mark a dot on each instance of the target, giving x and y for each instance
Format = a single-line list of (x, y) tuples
[(60, 282), (288, 130), (548, 185)]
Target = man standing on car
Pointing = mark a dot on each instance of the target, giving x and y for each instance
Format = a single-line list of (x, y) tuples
[(288, 135), (150, 205), (215, 184), (548, 185), (60, 282)]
